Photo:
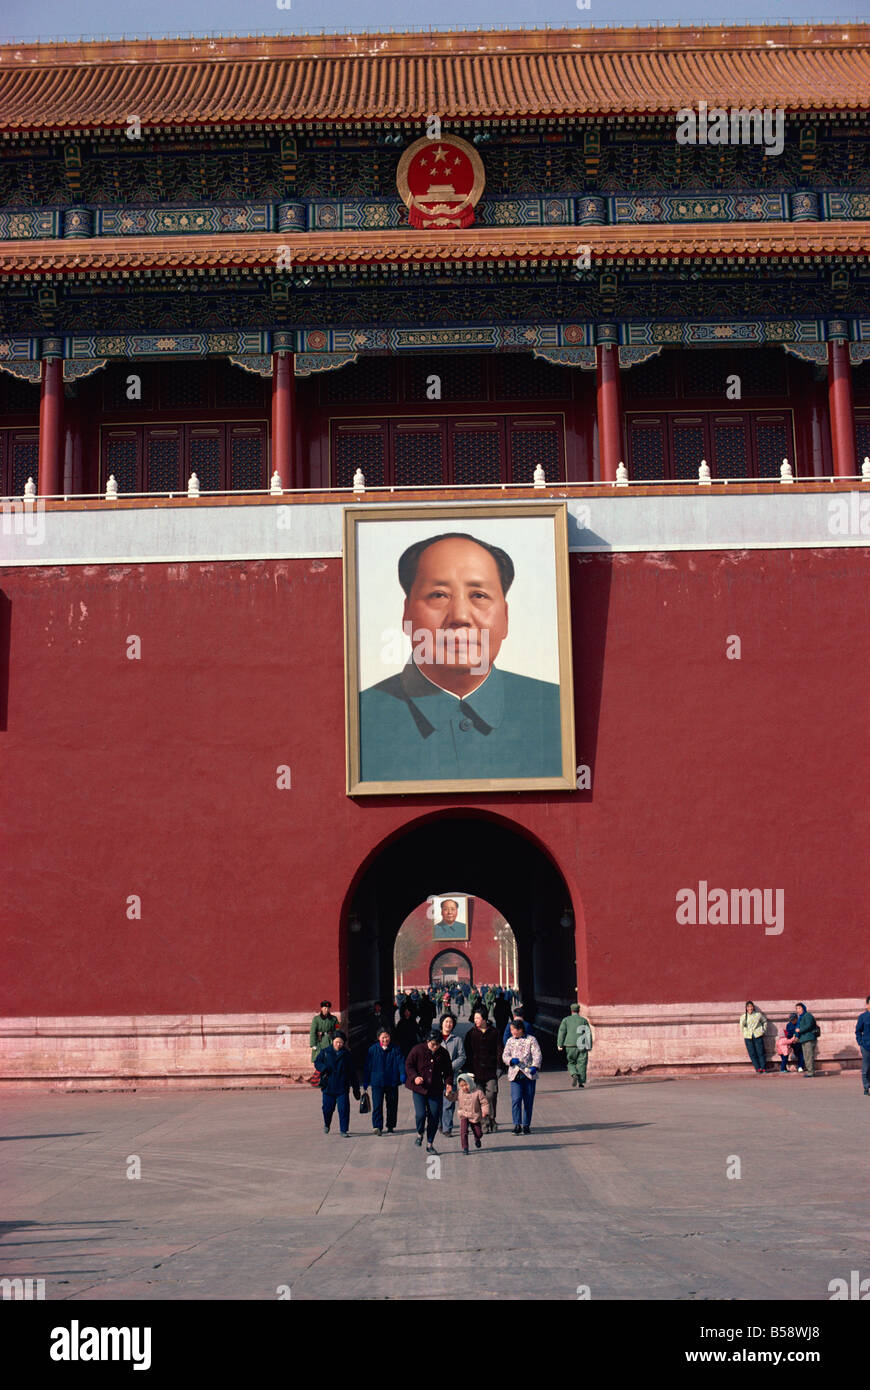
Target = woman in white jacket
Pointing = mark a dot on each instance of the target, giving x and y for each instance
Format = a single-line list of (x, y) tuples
[(522, 1057)]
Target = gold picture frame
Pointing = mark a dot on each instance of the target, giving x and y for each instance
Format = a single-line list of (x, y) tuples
[(386, 730)]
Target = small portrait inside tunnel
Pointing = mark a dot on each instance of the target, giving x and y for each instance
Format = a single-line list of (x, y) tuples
[(485, 953), (458, 649), (450, 919)]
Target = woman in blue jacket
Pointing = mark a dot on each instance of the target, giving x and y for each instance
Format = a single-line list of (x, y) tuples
[(385, 1073), (337, 1077)]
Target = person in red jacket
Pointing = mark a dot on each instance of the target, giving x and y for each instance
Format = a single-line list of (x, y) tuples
[(429, 1073)]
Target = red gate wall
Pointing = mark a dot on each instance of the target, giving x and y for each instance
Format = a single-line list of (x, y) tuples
[(157, 778)]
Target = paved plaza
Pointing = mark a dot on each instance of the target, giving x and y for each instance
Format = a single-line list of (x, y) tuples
[(622, 1187)]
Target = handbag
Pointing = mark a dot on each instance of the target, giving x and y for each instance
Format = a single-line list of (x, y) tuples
[(365, 1104), (316, 1079)]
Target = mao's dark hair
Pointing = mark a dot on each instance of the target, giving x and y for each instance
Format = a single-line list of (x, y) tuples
[(410, 559)]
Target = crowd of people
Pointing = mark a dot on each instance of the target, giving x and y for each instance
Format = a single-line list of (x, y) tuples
[(448, 1074), (451, 1074), (459, 999)]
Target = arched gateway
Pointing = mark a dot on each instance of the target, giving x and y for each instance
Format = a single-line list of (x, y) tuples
[(490, 857), (450, 968)]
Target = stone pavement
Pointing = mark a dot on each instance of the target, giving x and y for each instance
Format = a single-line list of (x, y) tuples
[(622, 1187)]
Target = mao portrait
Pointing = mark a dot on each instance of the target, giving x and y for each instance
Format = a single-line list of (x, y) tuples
[(450, 919), (458, 652)]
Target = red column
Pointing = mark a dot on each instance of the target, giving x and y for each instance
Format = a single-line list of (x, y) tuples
[(840, 409), (609, 433), (51, 428), (283, 423)]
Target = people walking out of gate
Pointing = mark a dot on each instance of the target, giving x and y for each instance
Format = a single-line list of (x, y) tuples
[(482, 1056), (455, 1049), (429, 1076), (575, 1040), (807, 1035), (862, 1038), (752, 1026), (323, 1026), (338, 1078), (473, 1108), (385, 1072), (522, 1057)]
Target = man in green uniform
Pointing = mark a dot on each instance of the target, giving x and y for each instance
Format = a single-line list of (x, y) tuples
[(323, 1026), (575, 1040), (451, 713)]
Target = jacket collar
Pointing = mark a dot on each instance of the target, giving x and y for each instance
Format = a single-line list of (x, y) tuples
[(436, 707)]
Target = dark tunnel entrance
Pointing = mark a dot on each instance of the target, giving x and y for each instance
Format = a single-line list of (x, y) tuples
[(489, 858)]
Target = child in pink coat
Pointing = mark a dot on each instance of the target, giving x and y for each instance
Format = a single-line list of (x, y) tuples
[(473, 1108), (783, 1047)]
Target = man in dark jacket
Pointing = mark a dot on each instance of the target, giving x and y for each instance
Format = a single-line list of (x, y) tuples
[(407, 1032), (426, 1013), (501, 1012), (807, 1032), (482, 1053), (338, 1077), (862, 1037), (385, 1073), (377, 1020), (429, 1075)]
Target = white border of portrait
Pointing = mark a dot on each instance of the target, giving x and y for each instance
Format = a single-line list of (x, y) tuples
[(459, 517)]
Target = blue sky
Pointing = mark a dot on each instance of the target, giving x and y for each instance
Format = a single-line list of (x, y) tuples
[(23, 19)]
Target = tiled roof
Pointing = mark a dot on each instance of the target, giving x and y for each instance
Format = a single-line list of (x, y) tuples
[(509, 244), (392, 77)]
